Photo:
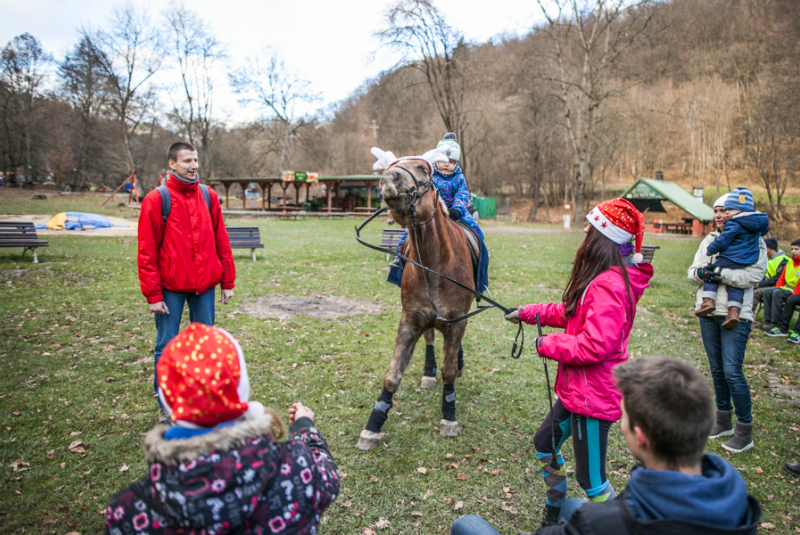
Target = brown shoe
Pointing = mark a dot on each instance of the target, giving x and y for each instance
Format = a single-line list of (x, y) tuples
[(707, 307), (732, 319)]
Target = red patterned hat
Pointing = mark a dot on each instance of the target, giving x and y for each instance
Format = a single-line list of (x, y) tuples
[(619, 221), (202, 378)]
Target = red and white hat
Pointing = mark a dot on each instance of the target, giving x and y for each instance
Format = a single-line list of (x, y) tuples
[(202, 378), (619, 221)]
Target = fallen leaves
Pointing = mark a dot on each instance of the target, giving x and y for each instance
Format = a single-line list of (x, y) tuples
[(382, 524), (51, 454), (459, 505), (374, 479), (75, 446), (367, 531), (345, 504), (16, 413), (20, 466), (767, 525), (422, 470), (416, 513), (461, 476), (508, 509), (124, 468), (759, 470)]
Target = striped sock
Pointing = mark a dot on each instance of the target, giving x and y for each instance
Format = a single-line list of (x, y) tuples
[(555, 481), (603, 493)]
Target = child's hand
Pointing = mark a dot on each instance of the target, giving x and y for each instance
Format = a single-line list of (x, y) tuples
[(298, 410), (513, 316)]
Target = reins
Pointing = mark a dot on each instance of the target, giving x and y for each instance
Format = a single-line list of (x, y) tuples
[(519, 339)]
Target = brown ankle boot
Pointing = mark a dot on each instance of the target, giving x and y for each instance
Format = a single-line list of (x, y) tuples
[(732, 319), (707, 307)]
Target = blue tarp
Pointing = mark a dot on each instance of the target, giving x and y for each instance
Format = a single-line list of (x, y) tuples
[(77, 221)]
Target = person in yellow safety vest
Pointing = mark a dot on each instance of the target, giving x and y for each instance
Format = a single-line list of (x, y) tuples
[(786, 298), (777, 261)]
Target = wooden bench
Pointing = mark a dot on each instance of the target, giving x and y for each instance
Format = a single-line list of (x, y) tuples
[(245, 238), (391, 237), (21, 234), (648, 251)]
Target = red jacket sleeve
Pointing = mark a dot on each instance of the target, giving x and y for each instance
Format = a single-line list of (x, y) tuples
[(602, 332), (150, 235), (550, 314), (223, 244)]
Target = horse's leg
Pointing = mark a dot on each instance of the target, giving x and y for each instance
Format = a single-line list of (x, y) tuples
[(429, 374), (460, 359), (448, 427), (407, 336)]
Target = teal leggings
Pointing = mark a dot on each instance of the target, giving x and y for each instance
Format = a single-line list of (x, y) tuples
[(589, 443)]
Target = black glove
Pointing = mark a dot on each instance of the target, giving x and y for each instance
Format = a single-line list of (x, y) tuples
[(455, 214), (708, 275)]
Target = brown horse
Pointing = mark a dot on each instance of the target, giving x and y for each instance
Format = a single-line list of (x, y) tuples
[(443, 247)]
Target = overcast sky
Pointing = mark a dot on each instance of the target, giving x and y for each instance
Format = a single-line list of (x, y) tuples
[(329, 43)]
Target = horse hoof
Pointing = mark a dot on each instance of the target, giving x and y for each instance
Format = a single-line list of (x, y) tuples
[(448, 428), (368, 440), (428, 382)]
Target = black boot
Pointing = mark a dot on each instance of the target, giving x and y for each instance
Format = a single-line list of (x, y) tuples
[(396, 263), (550, 517), (792, 468)]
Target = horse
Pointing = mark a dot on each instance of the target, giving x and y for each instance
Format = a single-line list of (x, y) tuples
[(439, 243)]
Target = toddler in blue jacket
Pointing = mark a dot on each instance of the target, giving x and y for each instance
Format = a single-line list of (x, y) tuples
[(738, 247)]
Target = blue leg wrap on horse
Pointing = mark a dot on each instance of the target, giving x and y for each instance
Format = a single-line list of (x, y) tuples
[(460, 358), (430, 362), (449, 403), (380, 412)]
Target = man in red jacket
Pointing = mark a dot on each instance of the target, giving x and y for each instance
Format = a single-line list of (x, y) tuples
[(184, 250)]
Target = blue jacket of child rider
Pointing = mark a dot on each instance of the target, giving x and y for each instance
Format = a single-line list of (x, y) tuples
[(739, 241), (455, 194)]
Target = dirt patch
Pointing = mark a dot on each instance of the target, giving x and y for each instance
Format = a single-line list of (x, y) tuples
[(11, 274), (322, 307), (782, 385)]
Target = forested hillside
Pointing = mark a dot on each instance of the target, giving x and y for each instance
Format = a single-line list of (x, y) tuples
[(598, 94)]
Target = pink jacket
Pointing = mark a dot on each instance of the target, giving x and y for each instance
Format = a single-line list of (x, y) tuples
[(596, 340)]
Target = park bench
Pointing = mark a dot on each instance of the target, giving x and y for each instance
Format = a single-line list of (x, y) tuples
[(647, 253), (245, 238), (391, 237), (21, 234)]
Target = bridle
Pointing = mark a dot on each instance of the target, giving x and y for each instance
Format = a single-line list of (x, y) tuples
[(416, 194)]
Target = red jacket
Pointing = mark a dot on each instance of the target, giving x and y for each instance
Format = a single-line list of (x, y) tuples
[(191, 252), (596, 340)]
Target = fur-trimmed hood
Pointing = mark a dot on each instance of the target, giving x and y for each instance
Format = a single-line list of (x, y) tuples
[(159, 450)]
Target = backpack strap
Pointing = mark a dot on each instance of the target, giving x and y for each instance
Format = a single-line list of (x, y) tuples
[(166, 202), (206, 196)]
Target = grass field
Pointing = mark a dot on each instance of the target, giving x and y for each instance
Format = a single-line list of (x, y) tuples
[(76, 352)]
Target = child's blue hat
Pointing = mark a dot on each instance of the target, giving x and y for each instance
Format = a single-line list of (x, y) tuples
[(740, 199)]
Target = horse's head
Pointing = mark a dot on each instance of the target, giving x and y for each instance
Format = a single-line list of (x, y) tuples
[(405, 183)]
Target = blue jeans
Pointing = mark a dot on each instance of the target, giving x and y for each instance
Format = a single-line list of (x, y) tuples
[(725, 350), (201, 310), (475, 525)]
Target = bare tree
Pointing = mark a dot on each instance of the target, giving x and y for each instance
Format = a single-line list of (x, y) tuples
[(196, 53), (589, 39), (265, 81), (418, 31), (129, 59), (22, 66), (86, 87)]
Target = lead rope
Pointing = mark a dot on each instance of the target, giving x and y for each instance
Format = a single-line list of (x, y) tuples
[(553, 459)]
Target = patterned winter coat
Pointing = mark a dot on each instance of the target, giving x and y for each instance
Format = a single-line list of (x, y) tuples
[(455, 194), (234, 479)]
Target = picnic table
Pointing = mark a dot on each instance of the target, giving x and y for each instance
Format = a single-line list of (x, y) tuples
[(677, 228)]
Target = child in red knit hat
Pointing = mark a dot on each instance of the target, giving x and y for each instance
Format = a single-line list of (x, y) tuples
[(218, 469), (597, 311)]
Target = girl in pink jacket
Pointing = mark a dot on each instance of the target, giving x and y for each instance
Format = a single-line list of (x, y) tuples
[(597, 313)]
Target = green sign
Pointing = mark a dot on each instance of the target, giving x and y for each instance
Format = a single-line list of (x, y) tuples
[(643, 191)]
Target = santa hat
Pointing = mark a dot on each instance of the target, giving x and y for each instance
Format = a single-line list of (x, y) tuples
[(202, 379), (619, 221)]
